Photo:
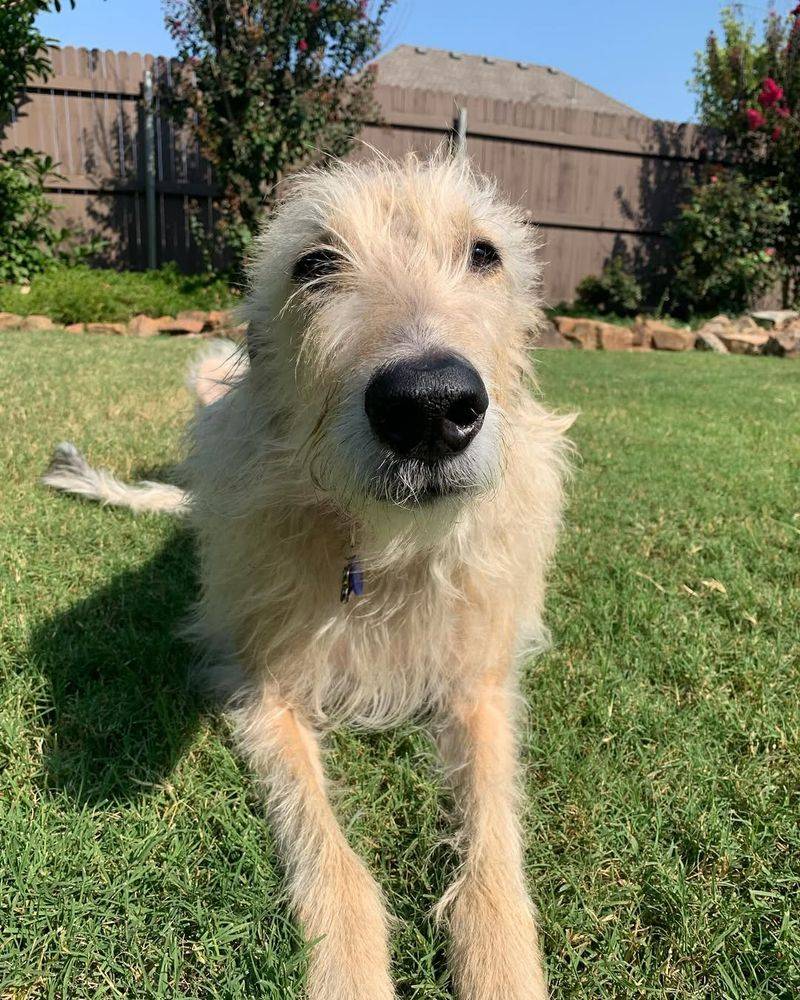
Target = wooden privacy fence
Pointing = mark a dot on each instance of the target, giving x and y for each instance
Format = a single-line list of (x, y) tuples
[(592, 182)]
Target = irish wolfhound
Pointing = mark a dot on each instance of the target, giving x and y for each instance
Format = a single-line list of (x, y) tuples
[(376, 497)]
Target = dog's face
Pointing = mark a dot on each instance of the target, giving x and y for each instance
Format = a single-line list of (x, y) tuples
[(391, 305)]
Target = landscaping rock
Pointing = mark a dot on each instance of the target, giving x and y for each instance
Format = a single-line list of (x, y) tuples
[(566, 324), (143, 326), (583, 334), (615, 338), (744, 341), (708, 340), (667, 338), (550, 339), (775, 319), (180, 327), (7, 320), (36, 323), (114, 329), (76, 328), (220, 319), (196, 314), (782, 344), (746, 324)]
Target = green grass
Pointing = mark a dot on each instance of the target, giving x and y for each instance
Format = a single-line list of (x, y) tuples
[(81, 294), (662, 745)]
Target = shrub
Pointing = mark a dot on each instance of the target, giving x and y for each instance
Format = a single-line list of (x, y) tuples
[(28, 238), (80, 294), (725, 242), (615, 291)]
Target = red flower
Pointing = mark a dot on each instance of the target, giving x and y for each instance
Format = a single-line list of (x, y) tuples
[(755, 119), (770, 251), (303, 45), (776, 133), (714, 178), (782, 112), (771, 93), (314, 6)]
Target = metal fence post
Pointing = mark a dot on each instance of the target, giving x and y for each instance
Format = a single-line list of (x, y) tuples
[(150, 171), (461, 132)]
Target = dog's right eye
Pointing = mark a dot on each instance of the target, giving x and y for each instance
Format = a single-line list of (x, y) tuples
[(317, 264)]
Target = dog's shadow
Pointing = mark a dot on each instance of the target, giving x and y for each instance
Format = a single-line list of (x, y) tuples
[(121, 707)]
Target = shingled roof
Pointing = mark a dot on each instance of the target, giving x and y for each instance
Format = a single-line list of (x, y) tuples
[(501, 79)]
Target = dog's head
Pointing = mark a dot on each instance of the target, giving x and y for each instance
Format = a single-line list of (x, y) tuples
[(389, 314)]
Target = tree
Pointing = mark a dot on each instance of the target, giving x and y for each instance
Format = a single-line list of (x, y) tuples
[(267, 86), (748, 88)]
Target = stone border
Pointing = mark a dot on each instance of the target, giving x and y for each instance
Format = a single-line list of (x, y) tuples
[(188, 323), (772, 333)]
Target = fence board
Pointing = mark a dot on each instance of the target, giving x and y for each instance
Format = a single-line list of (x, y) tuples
[(592, 182)]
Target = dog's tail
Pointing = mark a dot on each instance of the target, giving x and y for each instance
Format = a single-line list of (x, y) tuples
[(71, 473)]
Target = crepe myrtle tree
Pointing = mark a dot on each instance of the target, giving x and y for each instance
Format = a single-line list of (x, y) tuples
[(748, 89), (267, 86)]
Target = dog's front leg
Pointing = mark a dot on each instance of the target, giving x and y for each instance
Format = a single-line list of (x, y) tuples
[(335, 898), (494, 945)]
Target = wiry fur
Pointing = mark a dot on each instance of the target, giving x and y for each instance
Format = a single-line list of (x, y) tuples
[(284, 472)]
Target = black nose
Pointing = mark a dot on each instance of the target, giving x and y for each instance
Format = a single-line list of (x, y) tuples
[(426, 407)]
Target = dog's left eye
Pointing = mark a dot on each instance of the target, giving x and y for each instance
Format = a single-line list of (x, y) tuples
[(484, 256), (317, 264)]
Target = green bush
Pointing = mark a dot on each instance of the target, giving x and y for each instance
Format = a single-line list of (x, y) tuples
[(80, 294), (615, 291), (724, 242), (28, 238)]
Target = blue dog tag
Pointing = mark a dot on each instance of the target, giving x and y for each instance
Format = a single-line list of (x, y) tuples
[(352, 581)]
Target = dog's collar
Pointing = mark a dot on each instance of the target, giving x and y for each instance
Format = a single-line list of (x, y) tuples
[(352, 575)]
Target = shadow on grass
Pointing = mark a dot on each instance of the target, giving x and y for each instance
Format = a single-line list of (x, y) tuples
[(122, 710)]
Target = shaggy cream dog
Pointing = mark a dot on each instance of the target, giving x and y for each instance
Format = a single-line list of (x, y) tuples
[(376, 495)]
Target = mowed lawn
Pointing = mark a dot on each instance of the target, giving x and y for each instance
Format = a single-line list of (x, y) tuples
[(662, 743)]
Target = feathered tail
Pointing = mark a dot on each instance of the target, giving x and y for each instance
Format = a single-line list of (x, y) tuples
[(71, 473)]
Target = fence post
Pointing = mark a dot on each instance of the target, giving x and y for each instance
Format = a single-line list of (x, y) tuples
[(461, 132), (150, 171)]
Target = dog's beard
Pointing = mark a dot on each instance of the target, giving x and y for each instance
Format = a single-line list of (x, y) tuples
[(354, 466), (412, 483)]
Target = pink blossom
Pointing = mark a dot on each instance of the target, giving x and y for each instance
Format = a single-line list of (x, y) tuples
[(770, 251), (782, 112), (303, 45), (314, 6), (771, 93), (714, 178), (776, 133), (755, 119)]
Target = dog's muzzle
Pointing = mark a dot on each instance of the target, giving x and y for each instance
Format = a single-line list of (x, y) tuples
[(427, 407)]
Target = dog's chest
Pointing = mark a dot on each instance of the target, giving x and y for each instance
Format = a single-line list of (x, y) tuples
[(386, 657)]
